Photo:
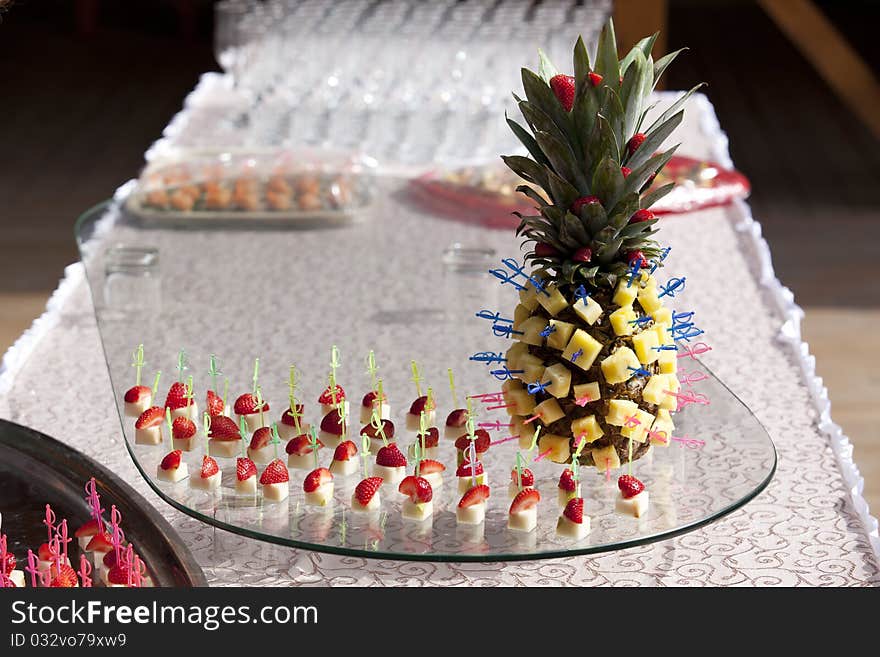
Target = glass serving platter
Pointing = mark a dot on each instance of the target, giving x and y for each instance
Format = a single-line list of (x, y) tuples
[(406, 285)]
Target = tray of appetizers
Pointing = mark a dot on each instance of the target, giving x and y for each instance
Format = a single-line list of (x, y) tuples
[(273, 187), (487, 193), (66, 521)]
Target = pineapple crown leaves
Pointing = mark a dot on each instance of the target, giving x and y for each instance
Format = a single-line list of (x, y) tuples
[(582, 152)]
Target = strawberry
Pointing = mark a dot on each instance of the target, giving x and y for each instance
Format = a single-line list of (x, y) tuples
[(432, 437), (102, 542), (288, 419), (629, 486), (136, 393), (344, 451), (331, 423), (261, 438), (223, 428), (171, 460), (527, 498), (625, 171), (429, 466), (641, 215), (475, 495), (635, 141), (579, 203), (44, 553), (528, 477), (632, 256), (574, 510), (595, 79), (301, 445), (543, 250), (275, 473), (209, 467), (563, 87), (66, 578), (183, 428), (481, 441), (89, 528), (245, 468), (365, 490), (8, 565), (118, 575), (584, 254), (214, 404), (457, 418), (421, 404), (246, 404), (370, 399), (566, 480), (327, 398), (464, 470), (176, 397), (317, 478), (418, 489), (373, 433), (390, 457), (109, 559), (152, 417)]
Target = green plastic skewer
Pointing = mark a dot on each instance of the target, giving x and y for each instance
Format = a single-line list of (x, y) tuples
[(170, 424), (379, 426), (417, 455), (629, 466), (206, 428), (535, 438), (189, 394), (452, 387), (243, 431), (181, 364), (256, 374), (372, 368), (137, 362), (365, 452), (423, 430), (313, 443), (156, 384), (416, 377), (334, 365), (213, 372), (276, 439), (225, 392), (519, 470), (259, 394)]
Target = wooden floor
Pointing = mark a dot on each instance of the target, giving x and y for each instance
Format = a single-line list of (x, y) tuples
[(88, 109)]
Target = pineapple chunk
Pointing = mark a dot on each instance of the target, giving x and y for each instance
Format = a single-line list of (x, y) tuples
[(619, 410), (664, 335), (670, 403), (662, 316), (559, 377), (558, 446), (647, 281), (525, 403), (639, 432), (531, 329), (561, 335), (644, 344), (626, 293), (520, 314), (654, 389), (662, 425), (515, 353), (587, 427), (606, 458), (616, 366), (589, 390), (587, 345), (648, 299), (528, 297), (549, 411), (511, 384), (553, 302), (668, 361), (620, 320), (589, 311), (533, 369)]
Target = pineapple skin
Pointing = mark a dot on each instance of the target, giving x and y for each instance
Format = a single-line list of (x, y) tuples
[(631, 389)]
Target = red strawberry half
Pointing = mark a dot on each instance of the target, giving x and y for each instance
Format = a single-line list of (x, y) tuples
[(464, 470), (331, 423), (390, 457), (301, 445), (365, 490), (566, 480), (370, 398), (183, 428), (475, 495), (44, 553), (176, 397), (457, 418), (118, 575), (171, 460), (288, 419), (209, 467), (246, 404), (432, 437), (136, 393), (102, 542), (481, 441), (629, 486), (152, 417), (89, 528), (418, 489), (563, 87), (275, 473), (373, 433), (66, 578), (317, 478), (245, 468), (421, 404), (430, 466), (214, 404), (8, 565), (574, 510), (223, 428), (528, 477), (261, 438), (344, 451), (327, 397), (527, 498)]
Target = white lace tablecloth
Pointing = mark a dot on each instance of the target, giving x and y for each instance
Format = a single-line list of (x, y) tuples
[(810, 527)]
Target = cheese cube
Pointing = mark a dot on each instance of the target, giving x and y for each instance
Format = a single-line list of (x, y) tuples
[(553, 302), (644, 344), (625, 293), (621, 320), (559, 377), (589, 390), (588, 347), (616, 367), (606, 458), (560, 335), (587, 427), (558, 446), (638, 432), (588, 310), (619, 410), (549, 411), (531, 329)]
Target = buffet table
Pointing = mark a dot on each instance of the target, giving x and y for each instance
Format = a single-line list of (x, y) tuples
[(810, 527)]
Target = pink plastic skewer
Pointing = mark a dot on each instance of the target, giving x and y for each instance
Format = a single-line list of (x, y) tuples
[(693, 351), (139, 570), (497, 406), (118, 536), (488, 395), (49, 522), (690, 443), (493, 426), (94, 501), (129, 563), (32, 568), (532, 419), (607, 469), (5, 582), (504, 440), (85, 569), (583, 401), (542, 455), (62, 536), (688, 379)]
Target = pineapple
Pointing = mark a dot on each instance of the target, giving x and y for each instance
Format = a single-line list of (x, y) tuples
[(594, 327)]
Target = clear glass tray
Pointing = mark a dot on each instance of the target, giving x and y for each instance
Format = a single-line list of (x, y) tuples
[(396, 283)]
